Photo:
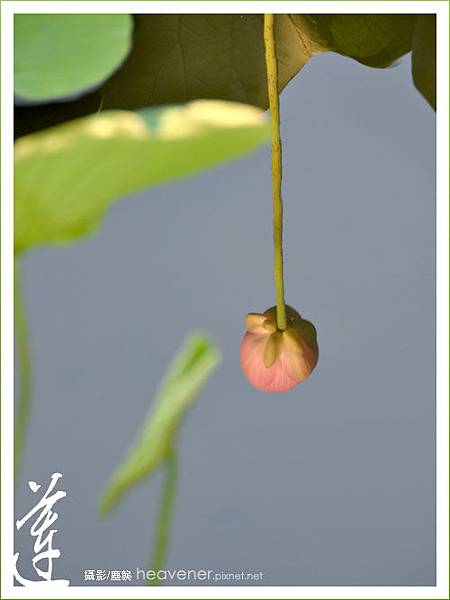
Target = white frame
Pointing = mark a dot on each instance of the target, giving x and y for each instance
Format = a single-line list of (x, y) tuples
[(44, 590)]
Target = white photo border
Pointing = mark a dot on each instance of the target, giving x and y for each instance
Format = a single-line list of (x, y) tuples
[(46, 590)]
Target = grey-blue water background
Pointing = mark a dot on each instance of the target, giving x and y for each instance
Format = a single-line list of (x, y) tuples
[(331, 484)]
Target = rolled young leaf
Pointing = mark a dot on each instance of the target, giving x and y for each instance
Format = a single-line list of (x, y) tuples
[(185, 377)]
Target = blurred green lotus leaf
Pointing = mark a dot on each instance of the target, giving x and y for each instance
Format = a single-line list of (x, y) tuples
[(57, 55), (66, 177), (178, 58), (424, 57), (188, 372)]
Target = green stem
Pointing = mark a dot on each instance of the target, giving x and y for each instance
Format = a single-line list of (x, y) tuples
[(164, 517), (23, 354), (272, 83)]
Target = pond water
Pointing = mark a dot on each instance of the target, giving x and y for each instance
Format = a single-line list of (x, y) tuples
[(330, 484)]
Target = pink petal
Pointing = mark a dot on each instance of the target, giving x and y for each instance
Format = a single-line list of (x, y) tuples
[(272, 379)]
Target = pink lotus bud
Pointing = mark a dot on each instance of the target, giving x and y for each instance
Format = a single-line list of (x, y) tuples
[(275, 360)]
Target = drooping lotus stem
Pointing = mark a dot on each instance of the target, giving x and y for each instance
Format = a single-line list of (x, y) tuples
[(280, 348), (23, 406), (274, 106)]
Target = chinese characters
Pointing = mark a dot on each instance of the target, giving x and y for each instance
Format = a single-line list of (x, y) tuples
[(42, 516)]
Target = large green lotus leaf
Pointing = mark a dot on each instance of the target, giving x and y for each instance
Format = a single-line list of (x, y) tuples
[(186, 375), (183, 57), (66, 177), (424, 57), (60, 55), (374, 40), (177, 58)]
